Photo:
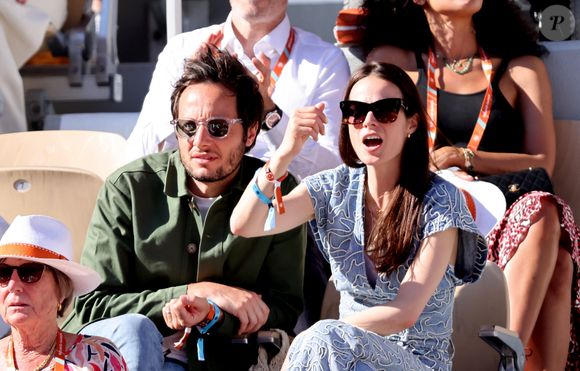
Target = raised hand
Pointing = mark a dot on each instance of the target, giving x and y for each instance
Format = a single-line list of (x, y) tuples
[(305, 122), (263, 64)]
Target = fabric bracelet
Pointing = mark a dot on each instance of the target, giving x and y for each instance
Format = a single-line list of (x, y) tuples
[(203, 330), (271, 218)]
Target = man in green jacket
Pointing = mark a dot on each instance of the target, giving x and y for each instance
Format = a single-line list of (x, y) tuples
[(160, 230)]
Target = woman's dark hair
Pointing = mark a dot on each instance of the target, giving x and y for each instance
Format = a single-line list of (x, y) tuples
[(219, 66), (502, 29), (394, 231)]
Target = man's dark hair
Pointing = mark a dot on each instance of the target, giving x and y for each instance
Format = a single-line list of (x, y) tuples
[(218, 66)]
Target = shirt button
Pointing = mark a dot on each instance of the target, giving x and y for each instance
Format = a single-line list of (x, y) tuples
[(191, 248)]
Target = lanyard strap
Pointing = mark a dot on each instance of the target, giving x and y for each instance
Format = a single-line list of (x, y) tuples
[(58, 358), (277, 71), (279, 66), (484, 112)]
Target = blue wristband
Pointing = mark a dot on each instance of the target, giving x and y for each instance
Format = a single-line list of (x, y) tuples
[(203, 330), (270, 222)]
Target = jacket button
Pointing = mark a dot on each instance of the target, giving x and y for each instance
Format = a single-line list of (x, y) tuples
[(191, 248)]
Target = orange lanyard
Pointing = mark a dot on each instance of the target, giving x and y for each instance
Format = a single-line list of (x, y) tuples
[(279, 66), (484, 112), (277, 71), (58, 357)]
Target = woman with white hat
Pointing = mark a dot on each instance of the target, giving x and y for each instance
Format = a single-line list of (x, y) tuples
[(38, 280)]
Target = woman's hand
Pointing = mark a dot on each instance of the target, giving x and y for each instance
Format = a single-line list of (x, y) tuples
[(446, 157), (305, 122), (185, 311)]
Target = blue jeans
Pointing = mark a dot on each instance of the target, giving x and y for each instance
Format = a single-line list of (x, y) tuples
[(137, 338)]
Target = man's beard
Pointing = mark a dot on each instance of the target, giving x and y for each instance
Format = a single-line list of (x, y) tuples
[(230, 167)]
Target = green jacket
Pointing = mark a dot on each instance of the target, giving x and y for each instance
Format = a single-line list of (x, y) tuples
[(147, 240)]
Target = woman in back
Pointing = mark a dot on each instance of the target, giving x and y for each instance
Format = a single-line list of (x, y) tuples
[(398, 239), (478, 61)]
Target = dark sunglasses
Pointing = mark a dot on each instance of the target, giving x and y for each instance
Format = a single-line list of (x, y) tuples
[(28, 273), (217, 127), (384, 110)]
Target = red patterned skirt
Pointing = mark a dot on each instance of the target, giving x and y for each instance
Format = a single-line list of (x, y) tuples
[(504, 239)]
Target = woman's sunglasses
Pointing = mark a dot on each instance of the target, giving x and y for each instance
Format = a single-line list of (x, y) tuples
[(217, 127), (384, 110), (28, 273)]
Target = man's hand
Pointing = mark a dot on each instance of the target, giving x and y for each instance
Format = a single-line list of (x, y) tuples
[(185, 311), (246, 305), (262, 64)]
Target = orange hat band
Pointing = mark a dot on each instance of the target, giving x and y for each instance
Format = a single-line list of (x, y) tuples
[(29, 251)]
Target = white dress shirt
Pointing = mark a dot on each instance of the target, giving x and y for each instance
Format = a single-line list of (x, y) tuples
[(316, 71)]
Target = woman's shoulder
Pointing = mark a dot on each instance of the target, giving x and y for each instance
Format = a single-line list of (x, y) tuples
[(525, 67), (440, 189), (338, 175), (392, 54)]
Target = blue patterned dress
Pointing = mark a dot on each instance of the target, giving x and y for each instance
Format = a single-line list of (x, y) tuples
[(338, 199)]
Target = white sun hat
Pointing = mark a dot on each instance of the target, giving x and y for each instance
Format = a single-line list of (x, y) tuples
[(485, 200), (45, 240), (3, 226)]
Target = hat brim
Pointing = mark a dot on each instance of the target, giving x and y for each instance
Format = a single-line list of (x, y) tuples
[(84, 279)]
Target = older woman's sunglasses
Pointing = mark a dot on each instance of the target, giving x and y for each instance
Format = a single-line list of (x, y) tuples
[(217, 127), (384, 110), (28, 272)]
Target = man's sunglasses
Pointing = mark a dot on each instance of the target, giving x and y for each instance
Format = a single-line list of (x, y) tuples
[(384, 110), (217, 127), (28, 273)]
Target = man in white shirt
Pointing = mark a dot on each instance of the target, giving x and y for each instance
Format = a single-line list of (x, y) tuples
[(315, 71)]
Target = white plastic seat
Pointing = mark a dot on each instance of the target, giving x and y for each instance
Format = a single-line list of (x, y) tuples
[(63, 193), (476, 305), (93, 151)]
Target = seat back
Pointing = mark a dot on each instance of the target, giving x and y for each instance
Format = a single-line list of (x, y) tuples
[(484, 302), (566, 176), (94, 151), (66, 194)]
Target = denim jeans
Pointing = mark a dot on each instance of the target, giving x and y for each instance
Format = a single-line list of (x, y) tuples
[(137, 338)]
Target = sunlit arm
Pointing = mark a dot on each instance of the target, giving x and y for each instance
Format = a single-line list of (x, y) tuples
[(250, 213), (419, 284)]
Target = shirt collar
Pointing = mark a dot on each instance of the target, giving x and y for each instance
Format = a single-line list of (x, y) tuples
[(272, 44)]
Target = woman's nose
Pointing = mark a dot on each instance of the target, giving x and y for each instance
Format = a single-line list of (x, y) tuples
[(14, 283), (369, 119)]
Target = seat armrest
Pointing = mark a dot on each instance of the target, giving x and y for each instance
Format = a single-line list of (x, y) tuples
[(507, 344), (261, 337)]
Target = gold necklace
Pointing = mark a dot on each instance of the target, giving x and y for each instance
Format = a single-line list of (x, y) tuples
[(43, 364), (459, 66)]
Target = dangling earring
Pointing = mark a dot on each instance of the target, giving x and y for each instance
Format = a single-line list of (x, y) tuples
[(408, 135)]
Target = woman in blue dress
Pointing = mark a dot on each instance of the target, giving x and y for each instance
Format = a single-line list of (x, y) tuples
[(398, 238)]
